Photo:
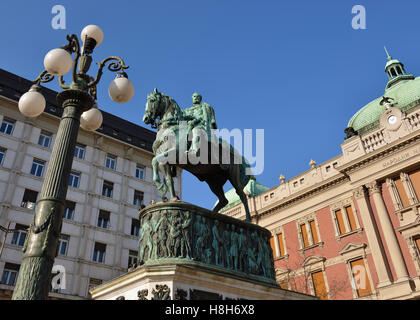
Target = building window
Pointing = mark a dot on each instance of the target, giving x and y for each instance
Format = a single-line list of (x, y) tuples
[(295, 184), (45, 139), (314, 232), (74, 179), (304, 234), (415, 180), (345, 220), (272, 245), (111, 161), (319, 286), (340, 221), (29, 199), (19, 236), (132, 258), (38, 167), (103, 219), (10, 274), (281, 245), (138, 198), (360, 278), (351, 218), (417, 241), (79, 151), (335, 165), (282, 252), (135, 227), (63, 244), (107, 189), (328, 169), (68, 212), (7, 126), (99, 252), (2, 155), (302, 181), (139, 172), (402, 193), (309, 234)]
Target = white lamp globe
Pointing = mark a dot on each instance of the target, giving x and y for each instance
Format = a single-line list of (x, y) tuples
[(121, 89), (32, 103), (58, 62), (91, 120), (94, 32)]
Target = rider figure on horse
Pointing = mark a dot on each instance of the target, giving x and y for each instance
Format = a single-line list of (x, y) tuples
[(199, 117)]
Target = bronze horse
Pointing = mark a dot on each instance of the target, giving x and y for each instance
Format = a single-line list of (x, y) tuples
[(171, 145)]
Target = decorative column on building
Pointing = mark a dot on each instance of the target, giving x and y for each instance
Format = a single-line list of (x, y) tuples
[(389, 233), (372, 236)]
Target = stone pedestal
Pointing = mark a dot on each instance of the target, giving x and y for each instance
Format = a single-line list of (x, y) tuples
[(177, 281), (187, 252)]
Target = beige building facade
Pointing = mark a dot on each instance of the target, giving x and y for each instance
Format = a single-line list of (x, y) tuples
[(111, 179), (349, 228)]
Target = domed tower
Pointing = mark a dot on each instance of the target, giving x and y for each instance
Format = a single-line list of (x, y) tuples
[(395, 71), (401, 92)]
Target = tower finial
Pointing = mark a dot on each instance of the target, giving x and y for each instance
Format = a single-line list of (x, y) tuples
[(389, 57)]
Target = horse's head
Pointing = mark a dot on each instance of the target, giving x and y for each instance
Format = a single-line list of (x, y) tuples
[(152, 108)]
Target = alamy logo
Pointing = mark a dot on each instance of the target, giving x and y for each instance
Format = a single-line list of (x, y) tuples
[(359, 20), (59, 20), (58, 281), (359, 277), (219, 151)]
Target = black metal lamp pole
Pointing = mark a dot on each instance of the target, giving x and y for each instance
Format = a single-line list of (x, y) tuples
[(40, 248)]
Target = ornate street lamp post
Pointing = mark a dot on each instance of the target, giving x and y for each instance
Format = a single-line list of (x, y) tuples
[(79, 109)]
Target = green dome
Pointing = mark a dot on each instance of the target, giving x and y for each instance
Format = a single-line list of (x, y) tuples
[(405, 93), (254, 188)]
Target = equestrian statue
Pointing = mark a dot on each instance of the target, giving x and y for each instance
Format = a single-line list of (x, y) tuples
[(186, 139)]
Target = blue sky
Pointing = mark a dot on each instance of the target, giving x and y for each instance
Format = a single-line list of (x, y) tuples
[(296, 69)]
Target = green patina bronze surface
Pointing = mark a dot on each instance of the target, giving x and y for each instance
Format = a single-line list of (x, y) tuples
[(172, 146), (179, 232)]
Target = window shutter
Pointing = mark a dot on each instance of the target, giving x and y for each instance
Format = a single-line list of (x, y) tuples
[(304, 235), (314, 232), (360, 278), (319, 285), (401, 191), (351, 217), (415, 180)]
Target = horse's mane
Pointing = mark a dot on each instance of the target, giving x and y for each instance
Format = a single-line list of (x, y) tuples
[(176, 110)]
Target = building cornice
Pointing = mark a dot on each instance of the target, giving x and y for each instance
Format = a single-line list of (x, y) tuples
[(304, 194), (380, 153)]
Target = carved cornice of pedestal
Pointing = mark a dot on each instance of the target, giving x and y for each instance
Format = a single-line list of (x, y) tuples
[(373, 187)]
